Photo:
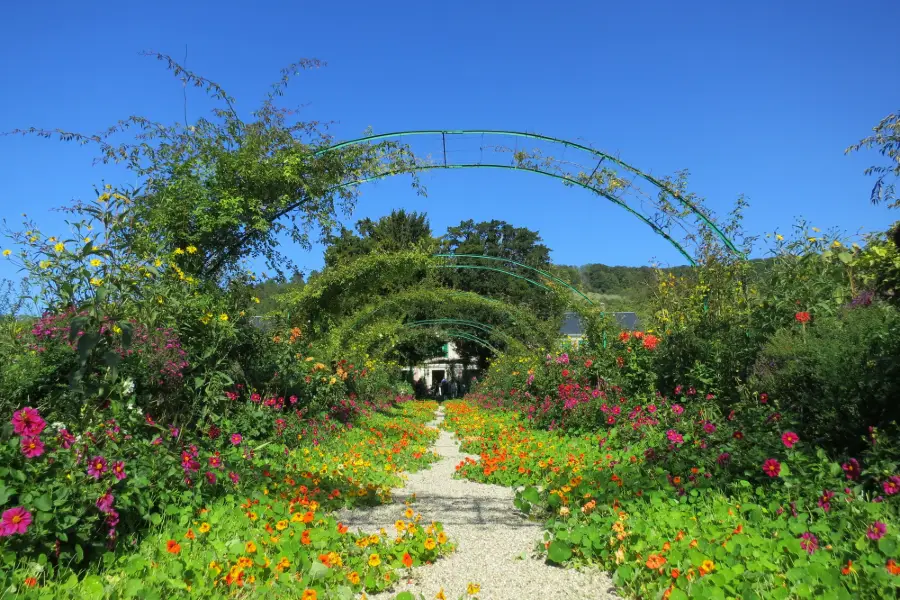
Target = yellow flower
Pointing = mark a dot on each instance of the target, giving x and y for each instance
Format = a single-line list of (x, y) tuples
[(59, 247), (296, 517), (157, 263), (223, 317), (96, 262), (96, 281), (440, 595), (442, 538), (179, 251), (837, 244), (409, 513), (204, 528), (44, 264), (250, 547), (430, 544), (779, 237), (281, 525), (473, 588), (86, 240), (255, 299), (374, 560), (191, 249), (7, 252)]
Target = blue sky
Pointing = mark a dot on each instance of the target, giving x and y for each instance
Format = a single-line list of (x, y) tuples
[(759, 98)]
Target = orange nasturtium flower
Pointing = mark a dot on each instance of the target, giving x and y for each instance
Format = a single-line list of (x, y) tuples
[(173, 547), (342, 529), (675, 573), (353, 578), (310, 595), (655, 561), (430, 544), (250, 547), (407, 560), (190, 534), (706, 567)]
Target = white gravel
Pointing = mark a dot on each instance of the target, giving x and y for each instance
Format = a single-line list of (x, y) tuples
[(495, 543)]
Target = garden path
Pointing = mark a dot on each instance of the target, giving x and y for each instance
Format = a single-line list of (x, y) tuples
[(495, 543)]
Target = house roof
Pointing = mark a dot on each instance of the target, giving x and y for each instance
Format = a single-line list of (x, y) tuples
[(572, 325)]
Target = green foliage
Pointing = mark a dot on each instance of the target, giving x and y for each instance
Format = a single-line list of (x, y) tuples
[(398, 232), (838, 376)]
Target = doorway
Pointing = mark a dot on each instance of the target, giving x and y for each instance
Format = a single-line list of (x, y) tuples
[(437, 376)]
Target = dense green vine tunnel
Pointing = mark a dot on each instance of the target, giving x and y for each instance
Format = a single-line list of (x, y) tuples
[(406, 306)]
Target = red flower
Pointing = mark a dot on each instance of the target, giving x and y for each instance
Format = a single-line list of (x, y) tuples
[(588, 363), (173, 547), (738, 435), (789, 438), (624, 336), (407, 560), (565, 372), (771, 467), (892, 567), (650, 342), (802, 317)]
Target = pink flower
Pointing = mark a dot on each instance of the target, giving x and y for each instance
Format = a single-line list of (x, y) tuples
[(789, 438), (851, 469), (215, 462), (236, 439), (674, 436), (825, 500), (234, 477), (709, 427), (876, 530), (211, 478), (118, 469), (105, 502), (809, 542), (66, 438), (97, 467), (763, 398), (771, 467), (28, 421), (677, 409), (32, 446), (15, 520), (892, 485)]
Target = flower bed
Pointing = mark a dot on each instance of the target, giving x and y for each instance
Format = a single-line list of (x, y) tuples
[(268, 530), (679, 500)]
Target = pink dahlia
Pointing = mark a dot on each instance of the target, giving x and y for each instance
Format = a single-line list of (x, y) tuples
[(15, 520), (28, 421)]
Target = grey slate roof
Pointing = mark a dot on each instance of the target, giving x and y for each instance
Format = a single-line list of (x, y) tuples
[(572, 325)]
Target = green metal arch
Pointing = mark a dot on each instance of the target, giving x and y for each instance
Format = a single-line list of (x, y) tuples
[(462, 322), (602, 156), (524, 266)]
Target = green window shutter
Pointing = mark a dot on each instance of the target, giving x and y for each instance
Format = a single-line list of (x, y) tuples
[(446, 350)]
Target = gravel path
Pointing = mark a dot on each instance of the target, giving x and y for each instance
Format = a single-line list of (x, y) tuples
[(495, 544)]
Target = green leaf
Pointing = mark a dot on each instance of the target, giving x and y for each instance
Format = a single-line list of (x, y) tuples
[(92, 588), (888, 546), (317, 571), (559, 552), (405, 596), (43, 503)]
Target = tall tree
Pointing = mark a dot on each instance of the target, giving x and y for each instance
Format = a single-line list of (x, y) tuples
[(503, 240), (396, 232)]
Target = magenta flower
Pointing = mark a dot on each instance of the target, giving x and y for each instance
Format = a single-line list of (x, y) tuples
[(66, 438), (211, 478), (763, 398), (851, 469), (97, 467), (892, 485), (677, 409), (118, 469), (789, 438), (215, 462), (825, 500), (28, 422), (771, 467), (236, 439), (723, 459), (809, 542), (32, 446), (234, 477), (709, 427), (674, 436), (15, 520), (876, 530), (105, 502)]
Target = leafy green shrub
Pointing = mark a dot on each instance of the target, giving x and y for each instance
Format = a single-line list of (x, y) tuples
[(837, 375)]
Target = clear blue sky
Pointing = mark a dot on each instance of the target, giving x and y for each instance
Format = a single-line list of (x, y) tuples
[(756, 97)]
